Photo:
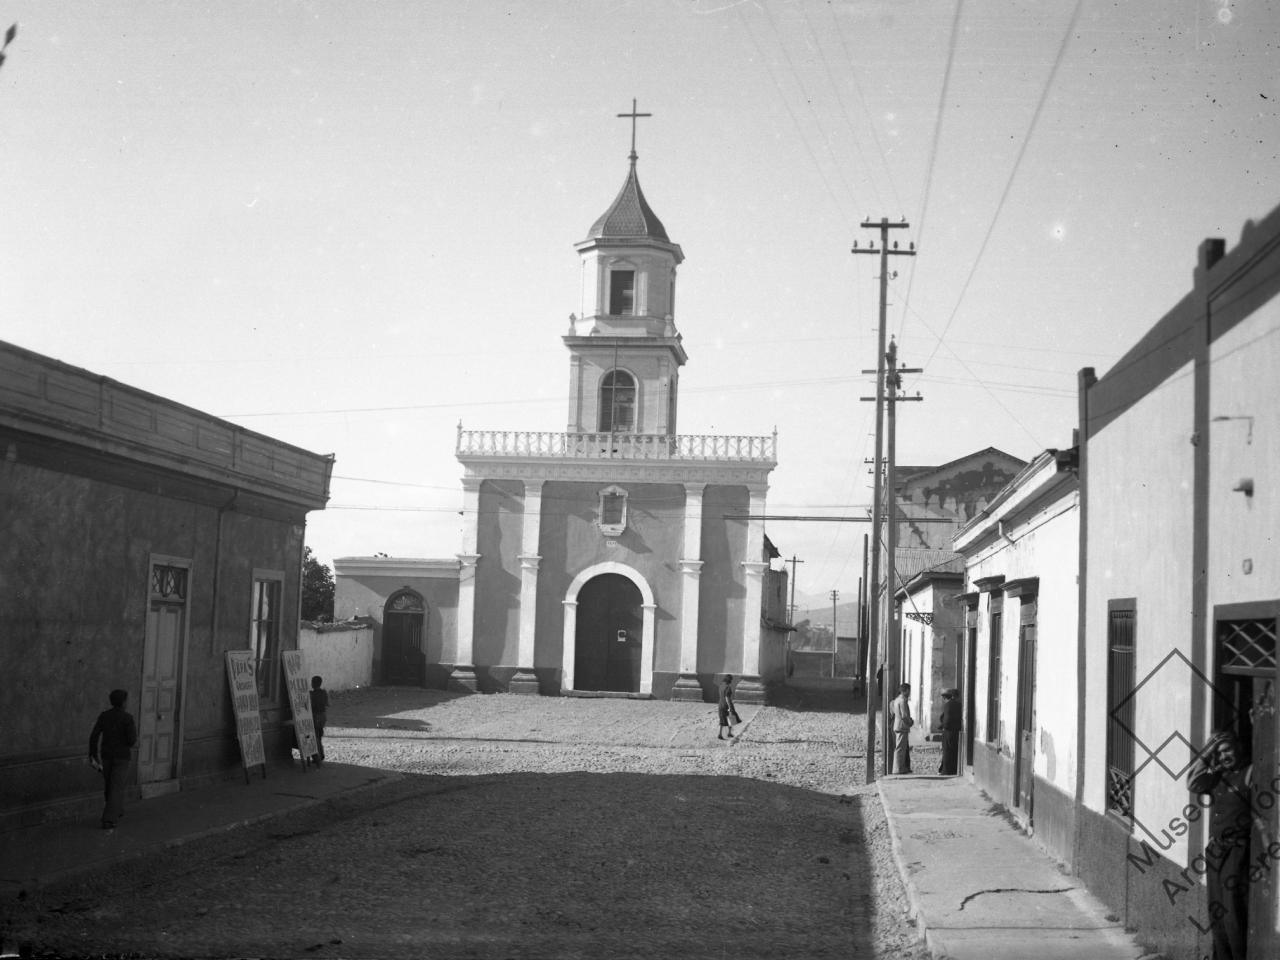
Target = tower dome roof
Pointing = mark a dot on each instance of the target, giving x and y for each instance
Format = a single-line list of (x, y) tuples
[(629, 216)]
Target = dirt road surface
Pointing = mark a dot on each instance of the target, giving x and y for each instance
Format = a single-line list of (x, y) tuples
[(530, 827)]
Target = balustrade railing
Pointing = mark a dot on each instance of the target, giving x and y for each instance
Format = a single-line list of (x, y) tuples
[(615, 446)]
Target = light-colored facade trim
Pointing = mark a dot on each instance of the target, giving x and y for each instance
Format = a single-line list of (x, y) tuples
[(397, 568), (648, 608)]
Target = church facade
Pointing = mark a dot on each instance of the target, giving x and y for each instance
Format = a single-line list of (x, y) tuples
[(619, 556)]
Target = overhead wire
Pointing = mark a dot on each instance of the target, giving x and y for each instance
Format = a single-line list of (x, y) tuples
[(1013, 173), (952, 43), (795, 75), (795, 122), (871, 122), (816, 46), (852, 477)]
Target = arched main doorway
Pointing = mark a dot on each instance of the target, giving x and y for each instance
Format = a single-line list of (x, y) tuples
[(608, 634), (609, 631), (403, 657)]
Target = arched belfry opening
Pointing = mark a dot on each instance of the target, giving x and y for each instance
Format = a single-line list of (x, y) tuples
[(403, 639), (608, 631), (618, 402)]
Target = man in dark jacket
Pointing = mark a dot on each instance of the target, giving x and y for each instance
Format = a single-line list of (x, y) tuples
[(1224, 773), (951, 723), (110, 750)]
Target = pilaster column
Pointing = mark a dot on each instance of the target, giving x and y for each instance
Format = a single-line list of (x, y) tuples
[(525, 680), (749, 689), (570, 631), (686, 685), (647, 618), (464, 671)]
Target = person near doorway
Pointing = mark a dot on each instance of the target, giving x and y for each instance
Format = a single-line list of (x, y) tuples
[(728, 712), (1223, 772), (110, 750), (319, 711), (951, 723), (900, 716)]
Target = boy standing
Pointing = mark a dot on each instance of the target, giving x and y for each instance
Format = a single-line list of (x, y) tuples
[(727, 711), (319, 707)]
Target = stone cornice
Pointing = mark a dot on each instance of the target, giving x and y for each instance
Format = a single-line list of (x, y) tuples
[(752, 475), (399, 568)]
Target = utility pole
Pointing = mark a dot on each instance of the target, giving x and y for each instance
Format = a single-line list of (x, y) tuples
[(873, 696), (835, 643), (791, 615), (862, 615), (893, 641)]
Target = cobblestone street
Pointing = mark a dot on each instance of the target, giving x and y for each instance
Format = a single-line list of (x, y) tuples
[(529, 827)]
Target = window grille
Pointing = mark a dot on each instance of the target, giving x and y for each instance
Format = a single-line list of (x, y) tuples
[(168, 583), (405, 603), (1247, 647), (1121, 677)]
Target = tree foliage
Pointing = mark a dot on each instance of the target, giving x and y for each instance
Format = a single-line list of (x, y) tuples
[(317, 589)]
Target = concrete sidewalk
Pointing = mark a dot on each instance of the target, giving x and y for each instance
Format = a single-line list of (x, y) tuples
[(980, 889), (34, 856)]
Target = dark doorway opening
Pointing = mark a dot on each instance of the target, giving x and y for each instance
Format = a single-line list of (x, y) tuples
[(608, 635), (403, 659), (1244, 703)]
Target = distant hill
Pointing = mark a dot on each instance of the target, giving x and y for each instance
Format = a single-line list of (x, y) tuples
[(846, 617)]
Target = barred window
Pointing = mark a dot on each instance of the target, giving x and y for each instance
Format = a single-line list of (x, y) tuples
[(1247, 647), (264, 637), (168, 583), (995, 642), (1121, 677)]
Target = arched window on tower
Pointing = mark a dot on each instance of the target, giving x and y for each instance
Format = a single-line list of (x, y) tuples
[(617, 402)]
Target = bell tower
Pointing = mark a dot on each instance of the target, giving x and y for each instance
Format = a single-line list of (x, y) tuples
[(624, 350)]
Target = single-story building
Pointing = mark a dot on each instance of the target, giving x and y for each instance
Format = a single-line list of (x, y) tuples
[(143, 540)]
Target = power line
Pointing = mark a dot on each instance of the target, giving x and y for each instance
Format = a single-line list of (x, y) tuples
[(1017, 164), (871, 124), (809, 102), (933, 145), (835, 89), (791, 113)]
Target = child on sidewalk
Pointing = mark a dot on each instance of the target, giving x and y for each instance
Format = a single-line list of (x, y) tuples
[(319, 708)]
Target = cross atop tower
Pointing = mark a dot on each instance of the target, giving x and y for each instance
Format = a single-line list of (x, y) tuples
[(634, 116)]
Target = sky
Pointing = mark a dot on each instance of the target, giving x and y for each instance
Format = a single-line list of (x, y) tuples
[(349, 225)]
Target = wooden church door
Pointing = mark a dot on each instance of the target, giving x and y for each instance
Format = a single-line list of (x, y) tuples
[(608, 635), (402, 640)]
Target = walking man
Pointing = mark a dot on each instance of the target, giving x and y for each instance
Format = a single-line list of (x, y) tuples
[(110, 750), (900, 716)]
